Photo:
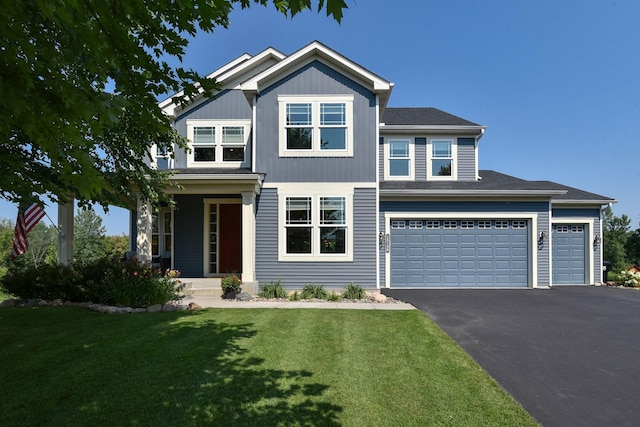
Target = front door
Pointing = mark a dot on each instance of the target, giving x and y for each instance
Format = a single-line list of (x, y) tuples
[(230, 238)]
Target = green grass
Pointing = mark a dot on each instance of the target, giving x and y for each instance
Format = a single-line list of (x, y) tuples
[(262, 367)]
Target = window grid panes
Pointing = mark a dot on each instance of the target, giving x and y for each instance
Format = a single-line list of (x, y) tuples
[(484, 224), (397, 225), (399, 160), (562, 228), (204, 140), (451, 224), (502, 224), (577, 229), (441, 157), (433, 224), (466, 224), (415, 225), (519, 224), (298, 229)]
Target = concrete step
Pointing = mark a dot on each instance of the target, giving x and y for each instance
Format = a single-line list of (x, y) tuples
[(203, 292)]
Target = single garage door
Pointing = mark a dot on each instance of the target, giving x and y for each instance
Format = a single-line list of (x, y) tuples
[(568, 243), (459, 253)]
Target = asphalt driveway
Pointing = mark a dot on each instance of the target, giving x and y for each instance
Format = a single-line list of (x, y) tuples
[(569, 355)]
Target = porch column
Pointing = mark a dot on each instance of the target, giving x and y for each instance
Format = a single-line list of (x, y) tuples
[(248, 237), (65, 233), (143, 239)]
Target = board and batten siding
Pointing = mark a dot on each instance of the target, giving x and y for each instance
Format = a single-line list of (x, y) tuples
[(541, 209), (316, 79), (586, 214), (227, 105), (295, 275), (188, 234)]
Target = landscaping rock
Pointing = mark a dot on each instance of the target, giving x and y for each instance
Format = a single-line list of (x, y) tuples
[(154, 308), (244, 296), (11, 302), (171, 306), (193, 306), (378, 297)]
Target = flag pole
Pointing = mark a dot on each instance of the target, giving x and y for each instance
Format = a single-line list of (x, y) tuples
[(54, 224)]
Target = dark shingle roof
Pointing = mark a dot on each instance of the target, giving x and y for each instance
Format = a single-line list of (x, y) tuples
[(422, 116), (493, 181)]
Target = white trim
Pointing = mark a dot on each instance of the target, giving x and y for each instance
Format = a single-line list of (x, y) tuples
[(318, 186), (412, 158), (206, 238), (315, 101), (219, 146), (532, 217), (315, 191), (589, 253), (378, 243), (454, 158)]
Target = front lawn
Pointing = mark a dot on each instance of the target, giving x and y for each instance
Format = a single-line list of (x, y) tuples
[(252, 367)]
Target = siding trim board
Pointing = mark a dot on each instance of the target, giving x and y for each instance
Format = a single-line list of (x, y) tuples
[(532, 217), (589, 247)]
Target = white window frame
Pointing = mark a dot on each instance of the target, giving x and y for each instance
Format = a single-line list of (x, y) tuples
[(315, 193), (160, 229), (155, 156), (387, 158), (315, 101), (219, 143), (454, 159)]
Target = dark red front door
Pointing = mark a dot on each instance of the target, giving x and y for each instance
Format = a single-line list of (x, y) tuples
[(230, 235)]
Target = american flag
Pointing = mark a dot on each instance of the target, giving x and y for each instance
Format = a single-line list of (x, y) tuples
[(27, 219)]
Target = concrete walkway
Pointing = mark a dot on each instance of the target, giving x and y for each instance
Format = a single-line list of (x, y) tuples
[(218, 302)]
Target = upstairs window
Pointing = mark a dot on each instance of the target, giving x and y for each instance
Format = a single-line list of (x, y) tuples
[(399, 154), (217, 144), (162, 158), (204, 144), (316, 126), (441, 159)]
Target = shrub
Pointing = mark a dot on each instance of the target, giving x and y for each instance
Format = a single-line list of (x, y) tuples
[(354, 292), (313, 291), (273, 290), (629, 278), (295, 296), (109, 281), (230, 286), (334, 297)]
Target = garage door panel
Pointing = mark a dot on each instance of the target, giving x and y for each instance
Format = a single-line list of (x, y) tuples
[(569, 254), (465, 257)]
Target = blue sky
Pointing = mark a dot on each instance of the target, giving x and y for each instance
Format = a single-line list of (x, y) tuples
[(557, 83)]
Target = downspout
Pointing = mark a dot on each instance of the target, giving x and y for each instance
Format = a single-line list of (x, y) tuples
[(478, 177)]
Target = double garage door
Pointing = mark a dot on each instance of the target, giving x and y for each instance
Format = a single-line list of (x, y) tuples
[(459, 253)]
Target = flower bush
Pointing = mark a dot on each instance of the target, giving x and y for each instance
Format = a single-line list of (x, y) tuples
[(230, 286), (109, 281), (629, 278)]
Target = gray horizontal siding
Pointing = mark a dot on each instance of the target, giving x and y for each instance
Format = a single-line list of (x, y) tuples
[(295, 275), (317, 78), (421, 159), (466, 159), (541, 208)]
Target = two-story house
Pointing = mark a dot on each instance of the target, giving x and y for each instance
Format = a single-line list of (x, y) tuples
[(299, 171)]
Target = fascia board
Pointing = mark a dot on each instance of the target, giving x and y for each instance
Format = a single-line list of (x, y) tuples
[(431, 128), (583, 202), (229, 72), (304, 56), (470, 193)]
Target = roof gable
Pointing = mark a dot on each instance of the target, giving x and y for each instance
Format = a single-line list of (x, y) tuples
[(243, 67), (317, 51)]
